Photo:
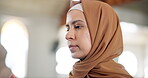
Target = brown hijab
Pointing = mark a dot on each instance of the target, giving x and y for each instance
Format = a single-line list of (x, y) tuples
[(106, 39)]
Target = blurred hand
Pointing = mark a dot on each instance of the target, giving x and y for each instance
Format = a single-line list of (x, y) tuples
[(5, 72), (2, 56)]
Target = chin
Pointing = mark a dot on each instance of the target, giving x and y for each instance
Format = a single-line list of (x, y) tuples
[(77, 57)]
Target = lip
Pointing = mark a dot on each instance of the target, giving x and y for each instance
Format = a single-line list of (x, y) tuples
[(73, 48)]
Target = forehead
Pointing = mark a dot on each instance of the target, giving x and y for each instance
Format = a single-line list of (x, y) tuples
[(75, 15)]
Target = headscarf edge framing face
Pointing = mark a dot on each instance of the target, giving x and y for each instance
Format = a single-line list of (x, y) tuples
[(107, 43)]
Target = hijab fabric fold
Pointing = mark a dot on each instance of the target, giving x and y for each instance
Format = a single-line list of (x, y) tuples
[(107, 43)]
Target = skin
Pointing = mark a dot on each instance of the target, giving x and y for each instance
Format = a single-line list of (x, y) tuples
[(78, 36), (5, 72)]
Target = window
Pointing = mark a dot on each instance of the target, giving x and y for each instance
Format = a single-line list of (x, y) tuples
[(14, 37)]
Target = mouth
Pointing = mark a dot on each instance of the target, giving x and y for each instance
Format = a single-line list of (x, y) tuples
[(73, 48)]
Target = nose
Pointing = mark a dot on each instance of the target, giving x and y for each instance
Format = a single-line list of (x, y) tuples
[(70, 35)]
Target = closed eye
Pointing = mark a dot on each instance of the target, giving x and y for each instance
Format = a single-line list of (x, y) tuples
[(67, 26), (77, 27)]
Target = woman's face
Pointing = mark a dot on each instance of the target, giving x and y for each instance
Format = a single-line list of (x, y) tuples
[(78, 36)]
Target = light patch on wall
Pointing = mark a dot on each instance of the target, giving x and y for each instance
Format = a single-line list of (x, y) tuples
[(75, 0), (129, 61), (128, 27), (146, 72), (64, 61)]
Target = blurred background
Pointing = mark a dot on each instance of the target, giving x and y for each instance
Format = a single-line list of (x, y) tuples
[(32, 31)]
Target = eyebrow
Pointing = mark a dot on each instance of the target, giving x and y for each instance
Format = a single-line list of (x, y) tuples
[(75, 21)]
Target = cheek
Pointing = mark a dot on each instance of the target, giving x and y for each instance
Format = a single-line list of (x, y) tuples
[(88, 37), (85, 42), (88, 41)]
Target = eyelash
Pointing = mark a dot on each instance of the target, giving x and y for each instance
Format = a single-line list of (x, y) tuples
[(76, 27), (67, 28)]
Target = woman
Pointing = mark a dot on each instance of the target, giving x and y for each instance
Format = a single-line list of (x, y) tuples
[(94, 36)]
